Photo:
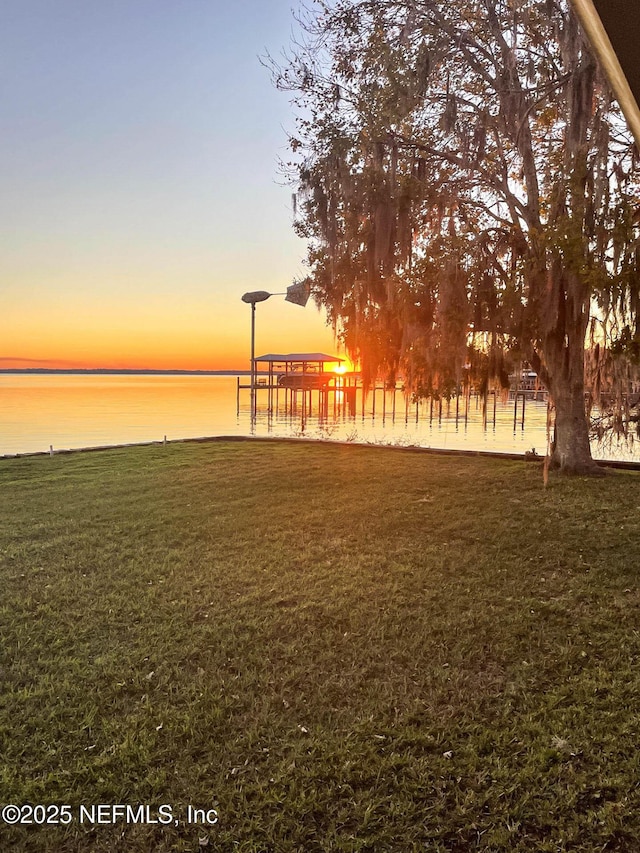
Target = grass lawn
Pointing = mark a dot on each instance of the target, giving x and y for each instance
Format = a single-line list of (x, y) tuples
[(337, 648)]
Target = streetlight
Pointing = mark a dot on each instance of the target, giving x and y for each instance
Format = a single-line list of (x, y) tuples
[(297, 293)]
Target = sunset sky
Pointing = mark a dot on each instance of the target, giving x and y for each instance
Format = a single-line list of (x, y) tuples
[(139, 146)]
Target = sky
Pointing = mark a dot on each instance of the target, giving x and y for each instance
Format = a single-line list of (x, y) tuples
[(140, 189)]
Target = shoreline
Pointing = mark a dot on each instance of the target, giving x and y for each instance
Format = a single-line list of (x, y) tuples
[(622, 465)]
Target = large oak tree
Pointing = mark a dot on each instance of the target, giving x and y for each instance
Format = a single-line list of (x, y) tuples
[(468, 191)]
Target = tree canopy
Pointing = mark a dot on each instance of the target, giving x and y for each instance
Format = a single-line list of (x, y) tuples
[(469, 193)]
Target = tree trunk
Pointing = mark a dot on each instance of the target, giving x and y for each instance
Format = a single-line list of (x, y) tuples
[(571, 452), (562, 358)]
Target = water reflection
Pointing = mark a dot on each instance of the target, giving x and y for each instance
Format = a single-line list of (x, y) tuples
[(88, 411), (392, 418)]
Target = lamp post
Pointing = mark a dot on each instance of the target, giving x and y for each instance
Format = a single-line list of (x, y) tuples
[(297, 293)]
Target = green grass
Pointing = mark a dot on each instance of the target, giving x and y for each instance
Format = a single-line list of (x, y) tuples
[(338, 648)]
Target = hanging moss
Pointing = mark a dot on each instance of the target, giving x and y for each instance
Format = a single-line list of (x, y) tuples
[(459, 194)]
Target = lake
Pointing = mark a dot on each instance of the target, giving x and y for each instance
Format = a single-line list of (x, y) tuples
[(73, 411)]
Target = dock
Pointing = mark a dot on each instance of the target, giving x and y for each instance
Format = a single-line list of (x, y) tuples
[(308, 384)]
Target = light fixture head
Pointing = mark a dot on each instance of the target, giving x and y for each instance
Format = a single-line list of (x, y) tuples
[(255, 296)]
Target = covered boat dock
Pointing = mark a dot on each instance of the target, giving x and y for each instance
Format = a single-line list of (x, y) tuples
[(305, 373)]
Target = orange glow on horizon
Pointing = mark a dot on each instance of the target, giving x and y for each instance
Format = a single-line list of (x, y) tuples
[(103, 341), (167, 332)]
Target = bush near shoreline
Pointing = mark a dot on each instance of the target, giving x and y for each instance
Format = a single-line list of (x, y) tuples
[(330, 648)]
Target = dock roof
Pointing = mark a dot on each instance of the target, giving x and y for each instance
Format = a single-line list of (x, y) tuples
[(298, 357)]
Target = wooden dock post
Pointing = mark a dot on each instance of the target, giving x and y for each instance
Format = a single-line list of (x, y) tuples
[(522, 394)]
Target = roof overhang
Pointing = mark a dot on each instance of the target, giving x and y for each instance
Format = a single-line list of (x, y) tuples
[(613, 28)]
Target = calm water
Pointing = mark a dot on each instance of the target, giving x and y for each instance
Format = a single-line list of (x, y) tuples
[(89, 411)]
